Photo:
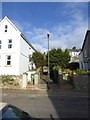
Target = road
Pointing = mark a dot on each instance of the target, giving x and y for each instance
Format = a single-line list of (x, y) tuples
[(44, 105)]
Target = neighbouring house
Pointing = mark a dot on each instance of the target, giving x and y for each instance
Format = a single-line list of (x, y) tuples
[(14, 50), (74, 52), (84, 56)]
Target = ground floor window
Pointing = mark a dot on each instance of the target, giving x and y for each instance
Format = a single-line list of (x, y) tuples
[(8, 62)]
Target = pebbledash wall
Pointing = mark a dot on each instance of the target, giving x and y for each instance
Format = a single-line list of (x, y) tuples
[(14, 49)]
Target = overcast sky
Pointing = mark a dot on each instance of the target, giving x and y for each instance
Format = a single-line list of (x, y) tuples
[(67, 22)]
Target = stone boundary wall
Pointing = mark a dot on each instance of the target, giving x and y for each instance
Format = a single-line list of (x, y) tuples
[(81, 82), (16, 84), (78, 82)]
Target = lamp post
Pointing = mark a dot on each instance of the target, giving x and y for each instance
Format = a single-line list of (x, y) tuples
[(48, 35)]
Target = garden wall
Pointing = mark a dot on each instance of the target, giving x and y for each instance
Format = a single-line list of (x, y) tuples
[(10, 81), (81, 82)]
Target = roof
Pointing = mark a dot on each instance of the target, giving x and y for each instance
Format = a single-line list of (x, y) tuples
[(87, 33), (74, 50), (21, 34)]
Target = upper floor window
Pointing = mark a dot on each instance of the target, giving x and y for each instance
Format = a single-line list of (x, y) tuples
[(8, 62), (0, 44), (10, 43), (6, 28)]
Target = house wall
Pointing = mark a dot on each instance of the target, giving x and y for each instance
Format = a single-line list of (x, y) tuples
[(89, 51), (74, 56), (11, 33), (19, 52), (81, 61), (25, 51), (85, 53)]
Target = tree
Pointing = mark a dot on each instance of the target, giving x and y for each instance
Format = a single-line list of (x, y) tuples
[(38, 59), (57, 57)]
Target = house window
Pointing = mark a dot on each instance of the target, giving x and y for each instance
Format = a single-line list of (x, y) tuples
[(6, 28), (8, 62), (10, 43), (0, 44)]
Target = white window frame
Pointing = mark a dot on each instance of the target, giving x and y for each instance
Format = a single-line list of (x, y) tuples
[(9, 43), (8, 60), (6, 27)]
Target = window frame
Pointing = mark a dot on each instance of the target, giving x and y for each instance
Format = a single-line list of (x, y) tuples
[(9, 43), (6, 27), (8, 60)]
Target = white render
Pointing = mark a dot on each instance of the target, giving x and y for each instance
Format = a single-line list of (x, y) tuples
[(74, 54), (20, 51)]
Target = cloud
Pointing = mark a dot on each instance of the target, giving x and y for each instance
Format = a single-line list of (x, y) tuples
[(40, 48), (65, 35)]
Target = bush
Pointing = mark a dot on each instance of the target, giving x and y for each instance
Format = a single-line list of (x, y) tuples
[(68, 71), (56, 67), (7, 80), (80, 72)]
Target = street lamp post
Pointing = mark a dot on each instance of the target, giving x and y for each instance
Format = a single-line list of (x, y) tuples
[(48, 35)]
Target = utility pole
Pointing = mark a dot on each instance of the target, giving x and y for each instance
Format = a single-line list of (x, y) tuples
[(48, 35)]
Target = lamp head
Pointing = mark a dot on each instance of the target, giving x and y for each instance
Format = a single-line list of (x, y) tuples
[(48, 34)]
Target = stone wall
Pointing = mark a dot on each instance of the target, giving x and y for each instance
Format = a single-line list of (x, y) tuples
[(81, 82), (78, 82), (14, 84)]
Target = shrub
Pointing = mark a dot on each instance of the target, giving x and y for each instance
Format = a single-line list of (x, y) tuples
[(7, 80), (56, 67), (68, 71), (80, 72)]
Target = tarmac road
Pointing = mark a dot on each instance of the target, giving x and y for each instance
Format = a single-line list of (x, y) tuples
[(55, 104)]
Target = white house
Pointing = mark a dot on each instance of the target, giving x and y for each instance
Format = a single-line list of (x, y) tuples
[(74, 53), (14, 49)]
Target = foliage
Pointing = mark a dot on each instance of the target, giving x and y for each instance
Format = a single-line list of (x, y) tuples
[(80, 71), (68, 71), (73, 65), (56, 67), (7, 80), (38, 59), (57, 57)]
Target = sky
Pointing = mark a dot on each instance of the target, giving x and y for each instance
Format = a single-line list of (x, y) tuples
[(66, 22)]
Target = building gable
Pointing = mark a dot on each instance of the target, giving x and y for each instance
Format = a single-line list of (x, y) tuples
[(6, 19), (17, 30)]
